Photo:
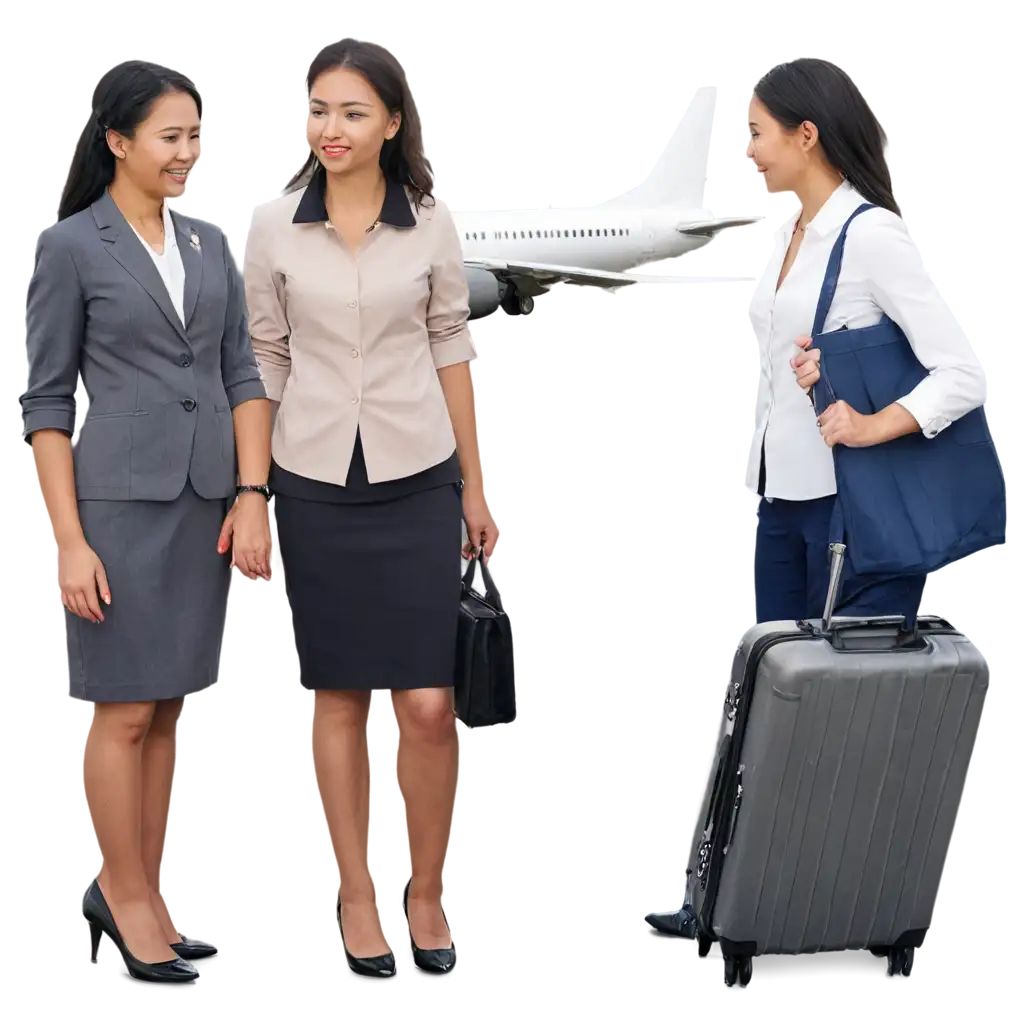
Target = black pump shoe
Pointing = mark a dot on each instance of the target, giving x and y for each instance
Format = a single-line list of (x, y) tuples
[(97, 913), (193, 949), (368, 966), (436, 961)]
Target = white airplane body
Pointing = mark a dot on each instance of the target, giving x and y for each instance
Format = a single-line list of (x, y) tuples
[(513, 255)]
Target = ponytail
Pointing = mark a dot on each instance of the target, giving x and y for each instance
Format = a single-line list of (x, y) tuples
[(92, 170)]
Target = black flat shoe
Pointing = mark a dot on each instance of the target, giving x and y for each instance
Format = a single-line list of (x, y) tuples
[(193, 949), (436, 961), (368, 966), (681, 923), (97, 913)]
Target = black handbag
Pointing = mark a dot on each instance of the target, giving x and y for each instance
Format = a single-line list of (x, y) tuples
[(485, 692)]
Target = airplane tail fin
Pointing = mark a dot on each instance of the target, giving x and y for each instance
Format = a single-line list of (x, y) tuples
[(700, 161)]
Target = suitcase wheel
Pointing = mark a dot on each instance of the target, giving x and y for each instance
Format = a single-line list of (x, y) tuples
[(703, 944), (738, 968), (901, 961)]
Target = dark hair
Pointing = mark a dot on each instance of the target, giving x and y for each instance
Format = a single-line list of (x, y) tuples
[(123, 99), (849, 133), (401, 158)]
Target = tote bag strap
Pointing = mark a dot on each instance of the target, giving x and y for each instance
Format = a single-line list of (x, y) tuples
[(835, 261), (836, 533)]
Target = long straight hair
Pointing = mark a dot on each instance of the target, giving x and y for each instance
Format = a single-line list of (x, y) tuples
[(849, 133), (401, 158), (123, 99)]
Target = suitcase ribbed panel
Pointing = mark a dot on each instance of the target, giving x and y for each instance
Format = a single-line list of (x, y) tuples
[(853, 769)]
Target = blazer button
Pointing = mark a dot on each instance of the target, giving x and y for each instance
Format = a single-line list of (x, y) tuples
[(189, 404), (185, 359)]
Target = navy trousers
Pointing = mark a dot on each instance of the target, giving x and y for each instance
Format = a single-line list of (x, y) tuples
[(791, 569)]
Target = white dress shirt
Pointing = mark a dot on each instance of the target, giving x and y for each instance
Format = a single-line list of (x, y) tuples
[(169, 264), (881, 273)]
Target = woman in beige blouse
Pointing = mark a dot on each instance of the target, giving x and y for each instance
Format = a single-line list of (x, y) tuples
[(358, 308)]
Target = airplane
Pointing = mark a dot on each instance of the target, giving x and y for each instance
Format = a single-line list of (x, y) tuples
[(511, 256), (697, 187)]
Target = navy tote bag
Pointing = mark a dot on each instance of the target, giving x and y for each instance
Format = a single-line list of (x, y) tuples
[(913, 504)]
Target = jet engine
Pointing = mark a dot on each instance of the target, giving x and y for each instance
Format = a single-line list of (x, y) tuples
[(485, 292)]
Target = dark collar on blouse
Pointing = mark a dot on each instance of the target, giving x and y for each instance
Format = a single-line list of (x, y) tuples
[(312, 208)]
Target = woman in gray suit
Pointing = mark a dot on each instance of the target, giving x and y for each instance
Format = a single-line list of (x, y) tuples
[(169, 472)]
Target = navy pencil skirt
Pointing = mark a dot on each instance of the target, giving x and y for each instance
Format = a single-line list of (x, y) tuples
[(374, 588)]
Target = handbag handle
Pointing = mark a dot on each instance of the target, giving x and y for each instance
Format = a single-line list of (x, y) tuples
[(491, 591)]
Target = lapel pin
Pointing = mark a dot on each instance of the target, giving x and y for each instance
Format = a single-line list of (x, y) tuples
[(194, 240)]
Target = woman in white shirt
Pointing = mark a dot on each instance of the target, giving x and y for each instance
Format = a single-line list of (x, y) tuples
[(812, 133)]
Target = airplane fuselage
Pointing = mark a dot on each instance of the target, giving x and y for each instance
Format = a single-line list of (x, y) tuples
[(598, 238)]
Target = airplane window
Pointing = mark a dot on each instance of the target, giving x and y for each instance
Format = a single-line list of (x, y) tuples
[(467, 236), (590, 232), (574, 233)]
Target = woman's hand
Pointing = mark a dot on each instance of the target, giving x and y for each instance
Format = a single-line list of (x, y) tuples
[(840, 424), (246, 531), (806, 364), (480, 525), (82, 579)]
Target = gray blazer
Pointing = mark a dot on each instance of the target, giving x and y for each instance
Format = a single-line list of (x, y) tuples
[(160, 395)]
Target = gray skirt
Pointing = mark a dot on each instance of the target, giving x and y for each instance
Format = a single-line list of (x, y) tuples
[(162, 632)]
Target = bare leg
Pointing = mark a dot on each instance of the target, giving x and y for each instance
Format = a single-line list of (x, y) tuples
[(157, 776), (113, 787), (343, 775), (428, 767)]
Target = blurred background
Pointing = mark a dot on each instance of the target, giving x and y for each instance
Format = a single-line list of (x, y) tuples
[(614, 428)]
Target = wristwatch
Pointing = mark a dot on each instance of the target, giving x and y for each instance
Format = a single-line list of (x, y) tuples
[(259, 488)]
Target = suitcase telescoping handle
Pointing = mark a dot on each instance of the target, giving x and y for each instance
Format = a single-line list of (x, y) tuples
[(836, 570)]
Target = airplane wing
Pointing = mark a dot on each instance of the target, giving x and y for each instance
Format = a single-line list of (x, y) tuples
[(541, 276), (711, 227)]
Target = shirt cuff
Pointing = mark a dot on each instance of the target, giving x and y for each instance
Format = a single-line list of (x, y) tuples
[(245, 391), (930, 422), (456, 349), (274, 379)]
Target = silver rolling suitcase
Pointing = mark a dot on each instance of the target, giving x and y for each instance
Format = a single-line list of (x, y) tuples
[(840, 765)]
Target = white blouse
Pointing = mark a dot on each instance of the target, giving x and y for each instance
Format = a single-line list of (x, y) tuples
[(169, 264), (881, 273)]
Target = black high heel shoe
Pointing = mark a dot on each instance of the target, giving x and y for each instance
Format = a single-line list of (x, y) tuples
[(193, 949), (436, 961), (368, 966), (97, 913)]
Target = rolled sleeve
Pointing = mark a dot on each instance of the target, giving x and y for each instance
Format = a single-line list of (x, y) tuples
[(448, 308), (268, 322), (905, 292), (55, 327), (239, 370)]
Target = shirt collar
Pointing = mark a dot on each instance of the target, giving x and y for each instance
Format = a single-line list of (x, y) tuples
[(832, 215), (170, 236), (312, 208)]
